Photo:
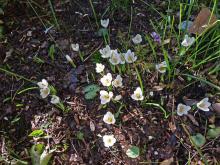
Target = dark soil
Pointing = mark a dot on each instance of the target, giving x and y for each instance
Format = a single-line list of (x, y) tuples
[(25, 112)]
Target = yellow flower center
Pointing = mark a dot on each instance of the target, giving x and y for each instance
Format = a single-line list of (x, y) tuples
[(181, 109), (138, 95), (109, 140), (106, 97), (110, 119)]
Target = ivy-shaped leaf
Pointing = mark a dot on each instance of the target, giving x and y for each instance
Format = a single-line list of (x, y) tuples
[(213, 132), (133, 152), (198, 140), (90, 91)]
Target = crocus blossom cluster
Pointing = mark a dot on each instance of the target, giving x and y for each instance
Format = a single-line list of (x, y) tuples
[(106, 81), (45, 91), (44, 88), (203, 105), (116, 58)]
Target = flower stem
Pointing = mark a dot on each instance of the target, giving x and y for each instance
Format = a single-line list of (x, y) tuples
[(139, 79)]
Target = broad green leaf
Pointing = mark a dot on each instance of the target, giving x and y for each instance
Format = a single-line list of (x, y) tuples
[(213, 132), (45, 157), (102, 32), (198, 140), (36, 133), (133, 152), (39, 156), (35, 154), (91, 91)]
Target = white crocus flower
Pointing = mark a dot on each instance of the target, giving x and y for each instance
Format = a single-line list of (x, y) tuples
[(109, 140), (130, 57), (137, 39), (204, 104), (109, 118), (138, 94), (115, 58), (75, 47), (161, 67), (69, 59), (188, 41), (43, 84), (117, 82), (55, 99), (118, 97), (99, 68), (105, 22), (182, 109), (105, 97), (106, 52), (44, 92), (106, 80)]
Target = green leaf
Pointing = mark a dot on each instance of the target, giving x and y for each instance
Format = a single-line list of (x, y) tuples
[(133, 152), (102, 32), (35, 153), (39, 156), (45, 157), (91, 91), (36, 133), (79, 135), (213, 133), (198, 140), (52, 51)]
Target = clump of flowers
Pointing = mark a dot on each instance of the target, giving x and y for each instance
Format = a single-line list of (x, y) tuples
[(44, 88), (116, 58)]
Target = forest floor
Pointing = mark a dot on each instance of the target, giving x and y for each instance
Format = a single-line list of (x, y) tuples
[(35, 39)]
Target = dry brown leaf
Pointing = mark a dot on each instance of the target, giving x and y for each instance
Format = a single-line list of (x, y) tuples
[(192, 118), (167, 161), (203, 21), (172, 127)]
